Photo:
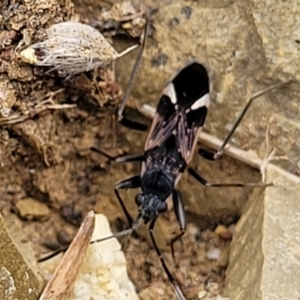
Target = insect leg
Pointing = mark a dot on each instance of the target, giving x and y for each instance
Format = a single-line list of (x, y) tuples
[(131, 158), (132, 124), (121, 118), (213, 156), (170, 276), (123, 158), (129, 183), (203, 181), (180, 216), (52, 254)]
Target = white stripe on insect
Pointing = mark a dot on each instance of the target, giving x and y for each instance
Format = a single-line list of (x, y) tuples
[(170, 91), (203, 101)]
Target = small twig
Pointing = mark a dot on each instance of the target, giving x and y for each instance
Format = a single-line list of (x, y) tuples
[(17, 118), (130, 17), (47, 103), (269, 157), (49, 97)]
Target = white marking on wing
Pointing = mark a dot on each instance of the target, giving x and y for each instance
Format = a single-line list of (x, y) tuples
[(170, 91), (203, 101)]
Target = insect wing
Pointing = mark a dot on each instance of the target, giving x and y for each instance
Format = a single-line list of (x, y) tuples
[(165, 119), (192, 93), (161, 130), (182, 110)]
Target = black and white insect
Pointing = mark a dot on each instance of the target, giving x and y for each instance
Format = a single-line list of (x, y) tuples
[(180, 114)]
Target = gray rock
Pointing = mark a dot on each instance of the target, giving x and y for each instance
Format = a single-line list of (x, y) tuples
[(264, 256), (20, 277)]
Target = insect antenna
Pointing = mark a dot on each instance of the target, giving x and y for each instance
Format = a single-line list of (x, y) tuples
[(240, 117), (135, 225), (121, 233), (126, 232), (52, 254), (134, 70)]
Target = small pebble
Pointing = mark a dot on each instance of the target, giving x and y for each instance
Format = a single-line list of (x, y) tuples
[(202, 294), (223, 232), (224, 257), (213, 254), (30, 209)]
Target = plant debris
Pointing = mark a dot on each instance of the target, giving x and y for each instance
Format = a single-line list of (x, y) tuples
[(123, 17), (72, 48)]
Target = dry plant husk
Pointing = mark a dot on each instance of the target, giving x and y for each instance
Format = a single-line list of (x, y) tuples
[(72, 48)]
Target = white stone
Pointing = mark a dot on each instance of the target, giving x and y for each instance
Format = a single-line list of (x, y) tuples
[(103, 274)]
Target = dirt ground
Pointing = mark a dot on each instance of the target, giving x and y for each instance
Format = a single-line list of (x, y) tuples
[(45, 158)]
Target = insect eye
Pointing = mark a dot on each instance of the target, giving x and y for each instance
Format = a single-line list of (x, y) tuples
[(139, 199), (162, 207)]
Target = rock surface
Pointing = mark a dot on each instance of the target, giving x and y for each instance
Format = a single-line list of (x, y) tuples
[(30, 208), (19, 275), (267, 236)]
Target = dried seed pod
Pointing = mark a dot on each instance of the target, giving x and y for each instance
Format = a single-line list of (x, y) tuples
[(72, 48)]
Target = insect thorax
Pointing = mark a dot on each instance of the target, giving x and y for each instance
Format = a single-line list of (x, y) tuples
[(161, 168)]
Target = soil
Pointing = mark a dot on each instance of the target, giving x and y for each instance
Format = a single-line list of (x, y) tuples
[(45, 156)]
